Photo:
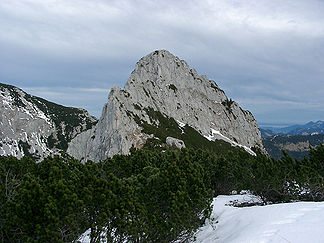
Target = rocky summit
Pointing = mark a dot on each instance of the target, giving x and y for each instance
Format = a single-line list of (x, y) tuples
[(166, 102), (35, 127)]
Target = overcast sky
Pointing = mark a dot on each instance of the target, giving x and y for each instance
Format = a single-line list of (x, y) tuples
[(268, 55)]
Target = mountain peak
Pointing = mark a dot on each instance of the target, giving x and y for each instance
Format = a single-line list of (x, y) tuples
[(159, 54), (161, 93), (161, 71), (157, 57), (157, 67)]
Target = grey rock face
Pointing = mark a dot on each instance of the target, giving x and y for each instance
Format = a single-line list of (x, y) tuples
[(35, 127), (162, 82)]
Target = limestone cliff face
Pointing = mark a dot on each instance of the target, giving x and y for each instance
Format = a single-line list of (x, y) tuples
[(161, 83), (35, 127)]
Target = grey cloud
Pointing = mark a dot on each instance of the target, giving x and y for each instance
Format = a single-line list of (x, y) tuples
[(267, 51)]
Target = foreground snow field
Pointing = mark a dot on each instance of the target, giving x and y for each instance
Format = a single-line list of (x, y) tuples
[(299, 222), (287, 222)]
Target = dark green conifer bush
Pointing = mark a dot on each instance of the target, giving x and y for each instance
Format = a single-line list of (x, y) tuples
[(151, 195)]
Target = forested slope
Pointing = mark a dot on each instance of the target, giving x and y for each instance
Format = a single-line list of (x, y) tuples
[(151, 195)]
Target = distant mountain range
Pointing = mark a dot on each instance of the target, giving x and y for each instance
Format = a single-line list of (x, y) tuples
[(295, 139), (306, 129)]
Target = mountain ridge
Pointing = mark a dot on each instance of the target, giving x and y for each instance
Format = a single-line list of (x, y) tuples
[(297, 146), (164, 103), (296, 140), (33, 126), (297, 129)]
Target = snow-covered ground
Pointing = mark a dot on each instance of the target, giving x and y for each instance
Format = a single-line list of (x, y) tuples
[(287, 222), (299, 222)]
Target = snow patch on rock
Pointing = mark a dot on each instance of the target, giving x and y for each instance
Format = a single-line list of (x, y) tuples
[(214, 134)]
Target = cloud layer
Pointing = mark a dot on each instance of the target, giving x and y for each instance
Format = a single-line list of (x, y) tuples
[(268, 55)]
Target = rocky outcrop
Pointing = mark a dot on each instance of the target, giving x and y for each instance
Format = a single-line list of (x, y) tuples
[(163, 89), (170, 141), (35, 127)]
